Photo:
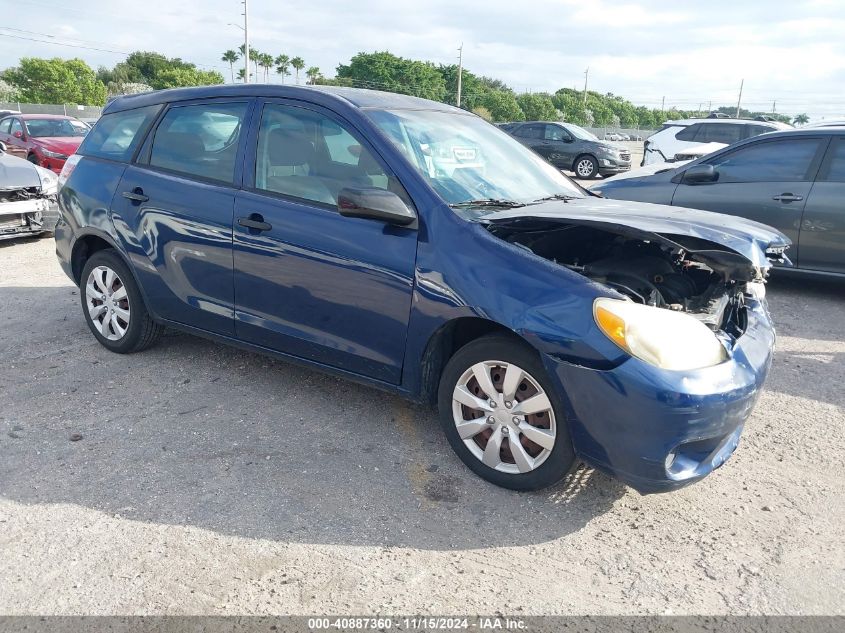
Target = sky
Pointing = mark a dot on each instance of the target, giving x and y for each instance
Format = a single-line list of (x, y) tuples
[(691, 53)]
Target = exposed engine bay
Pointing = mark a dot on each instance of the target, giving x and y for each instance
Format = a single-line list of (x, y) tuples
[(705, 283), (23, 210)]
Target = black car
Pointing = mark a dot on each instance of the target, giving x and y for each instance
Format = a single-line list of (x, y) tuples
[(792, 180), (569, 147)]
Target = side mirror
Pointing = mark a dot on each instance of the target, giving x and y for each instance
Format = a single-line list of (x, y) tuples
[(18, 134), (700, 174), (374, 204)]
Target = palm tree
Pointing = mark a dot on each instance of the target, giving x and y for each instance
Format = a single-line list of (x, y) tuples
[(282, 66), (801, 119), (313, 75), (298, 64), (266, 62), (253, 57), (231, 57)]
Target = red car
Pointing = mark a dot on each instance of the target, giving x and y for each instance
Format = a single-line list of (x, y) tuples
[(43, 139)]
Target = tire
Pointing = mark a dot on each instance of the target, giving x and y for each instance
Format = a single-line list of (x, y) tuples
[(128, 325), (539, 466), (32, 158), (586, 167)]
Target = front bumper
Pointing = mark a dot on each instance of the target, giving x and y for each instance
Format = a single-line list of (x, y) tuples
[(612, 165), (659, 430), (26, 217)]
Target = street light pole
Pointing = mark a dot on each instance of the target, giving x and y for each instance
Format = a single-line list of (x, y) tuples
[(460, 70), (246, 42)]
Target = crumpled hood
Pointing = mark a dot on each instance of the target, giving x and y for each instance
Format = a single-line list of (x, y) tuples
[(63, 144), (678, 225), (17, 173)]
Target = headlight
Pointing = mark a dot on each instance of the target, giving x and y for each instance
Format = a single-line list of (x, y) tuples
[(666, 339), (50, 154), (49, 181)]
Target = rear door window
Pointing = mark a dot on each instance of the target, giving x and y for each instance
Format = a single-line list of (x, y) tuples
[(787, 160), (4, 126), (688, 133), (727, 133), (834, 171), (116, 135), (199, 140)]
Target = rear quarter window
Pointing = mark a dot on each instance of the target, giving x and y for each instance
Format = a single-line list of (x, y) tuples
[(117, 135)]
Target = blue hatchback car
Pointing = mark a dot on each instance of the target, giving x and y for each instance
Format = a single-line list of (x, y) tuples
[(414, 247)]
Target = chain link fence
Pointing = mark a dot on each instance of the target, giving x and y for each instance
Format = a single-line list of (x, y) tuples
[(78, 111)]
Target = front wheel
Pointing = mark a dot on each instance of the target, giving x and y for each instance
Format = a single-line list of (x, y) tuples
[(113, 306), (586, 167), (502, 415)]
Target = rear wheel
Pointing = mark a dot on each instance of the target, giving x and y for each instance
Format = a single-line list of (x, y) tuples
[(586, 167), (502, 415), (113, 307)]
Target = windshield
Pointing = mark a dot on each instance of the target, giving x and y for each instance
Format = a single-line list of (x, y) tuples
[(579, 132), (468, 161), (56, 127)]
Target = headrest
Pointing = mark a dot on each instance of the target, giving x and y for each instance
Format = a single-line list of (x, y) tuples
[(180, 144), (289, 148)]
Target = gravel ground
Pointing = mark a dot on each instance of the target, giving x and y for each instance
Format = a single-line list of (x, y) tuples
[(197, 479)]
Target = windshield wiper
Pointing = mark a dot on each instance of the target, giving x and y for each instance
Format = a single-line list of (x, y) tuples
[(488, 202), (557, 196)]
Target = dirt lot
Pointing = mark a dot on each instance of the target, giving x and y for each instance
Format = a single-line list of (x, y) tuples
[(194, 478)]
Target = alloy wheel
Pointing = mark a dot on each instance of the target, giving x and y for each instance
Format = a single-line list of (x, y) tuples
[(107, 302), (584, 168), (504, 417)]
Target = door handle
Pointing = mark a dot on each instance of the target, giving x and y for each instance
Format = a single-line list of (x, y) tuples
[(136, 195), (255, 222), (788, 197)]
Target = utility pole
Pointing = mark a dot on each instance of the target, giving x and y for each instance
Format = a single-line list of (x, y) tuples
[(246, 42), (774, 103), (460, 70), (663, 105), (739, 100), (709, 107), (698, 112), (586, 76)]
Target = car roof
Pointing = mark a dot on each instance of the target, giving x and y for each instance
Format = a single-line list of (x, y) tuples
[(773, 124), (27, 117), (831, 123), (356, 97)]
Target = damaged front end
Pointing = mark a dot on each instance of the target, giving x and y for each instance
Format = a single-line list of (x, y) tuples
[(708, 278), (26, 211)]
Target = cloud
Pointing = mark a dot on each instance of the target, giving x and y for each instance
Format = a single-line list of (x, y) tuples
[(689, 52)]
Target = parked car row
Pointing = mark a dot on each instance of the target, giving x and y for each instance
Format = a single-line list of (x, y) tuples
[(791, 180), (43, 139)]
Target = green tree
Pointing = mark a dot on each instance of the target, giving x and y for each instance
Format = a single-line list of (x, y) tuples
[(313, 74), (283, 66), (265, 60), (55, 81), (231, 57), (502, 106), (385, 71), (537, 107), (183, 77), (298, 64), (8, 92), (801, 119)]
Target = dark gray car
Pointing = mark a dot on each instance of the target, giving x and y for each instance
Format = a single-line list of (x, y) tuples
[(569, 147), (792, 180)]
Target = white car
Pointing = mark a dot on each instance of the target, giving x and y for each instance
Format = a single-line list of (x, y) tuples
[(828, 123), (684, 138)]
